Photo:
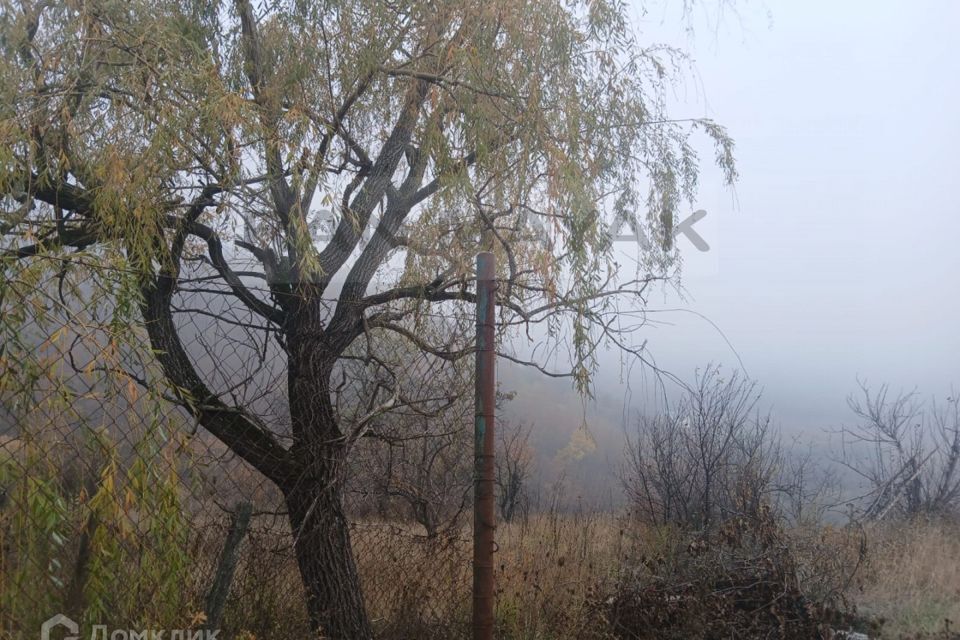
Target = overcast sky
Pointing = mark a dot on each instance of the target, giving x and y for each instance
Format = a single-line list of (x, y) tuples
[(836, 255)]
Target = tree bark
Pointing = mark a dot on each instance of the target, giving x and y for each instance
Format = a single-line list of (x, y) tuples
[(325, 557), (314, 495)]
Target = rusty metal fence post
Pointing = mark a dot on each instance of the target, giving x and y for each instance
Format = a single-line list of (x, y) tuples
[(483, 502)]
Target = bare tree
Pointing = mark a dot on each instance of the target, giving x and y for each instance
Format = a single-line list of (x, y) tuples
[(709, 457), (514, 462), (806, 489), (907, 453), (419, 467)]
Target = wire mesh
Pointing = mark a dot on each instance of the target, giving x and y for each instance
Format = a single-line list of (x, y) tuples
[(115, 504)]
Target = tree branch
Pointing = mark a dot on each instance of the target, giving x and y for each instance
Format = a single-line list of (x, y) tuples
[(231, 425)]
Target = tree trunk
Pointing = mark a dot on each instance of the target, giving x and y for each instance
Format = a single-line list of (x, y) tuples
[(314, 495), (325, 557)]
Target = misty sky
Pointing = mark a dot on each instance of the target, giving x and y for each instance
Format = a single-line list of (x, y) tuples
[(835, 255)]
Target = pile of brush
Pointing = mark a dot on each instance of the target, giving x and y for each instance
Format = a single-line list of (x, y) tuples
[(741, 580)]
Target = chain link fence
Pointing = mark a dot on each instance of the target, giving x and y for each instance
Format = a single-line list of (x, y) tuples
[(119, 512), (116, 507)]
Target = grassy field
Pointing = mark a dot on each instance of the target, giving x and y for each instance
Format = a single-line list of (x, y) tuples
[(560, 576), (912, 578), (555, 572)]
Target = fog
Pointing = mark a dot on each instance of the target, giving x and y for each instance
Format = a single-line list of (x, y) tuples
[(834, 257)]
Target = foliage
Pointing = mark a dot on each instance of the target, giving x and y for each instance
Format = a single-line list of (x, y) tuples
[(237, 186), (91, 542), (138, 133)]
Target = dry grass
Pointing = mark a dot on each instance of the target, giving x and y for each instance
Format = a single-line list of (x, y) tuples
[(548, 570), (912, 578), (552, 568)]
